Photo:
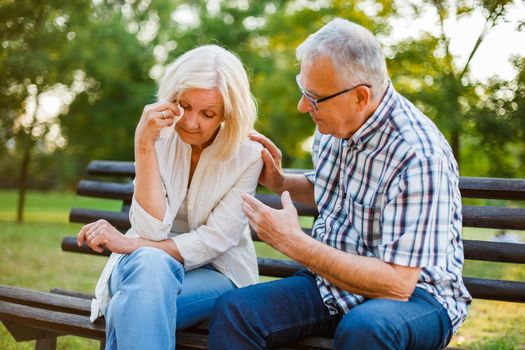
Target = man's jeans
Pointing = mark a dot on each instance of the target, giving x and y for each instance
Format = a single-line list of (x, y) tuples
[(151, 296), (280, 312)]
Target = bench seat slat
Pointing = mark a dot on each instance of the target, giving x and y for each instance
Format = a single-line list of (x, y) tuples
[(52, 321), (44, 300)]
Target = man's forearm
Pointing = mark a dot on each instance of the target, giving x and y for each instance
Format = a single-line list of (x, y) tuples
[(301, 190), (367, 276)]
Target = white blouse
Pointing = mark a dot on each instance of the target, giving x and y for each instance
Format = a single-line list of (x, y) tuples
[(218, 230)]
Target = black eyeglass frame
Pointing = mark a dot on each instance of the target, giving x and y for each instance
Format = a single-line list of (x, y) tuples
[(315, 102)]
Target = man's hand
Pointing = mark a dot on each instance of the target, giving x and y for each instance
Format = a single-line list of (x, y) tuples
[(278, 228), (272, 176), (100, 234)]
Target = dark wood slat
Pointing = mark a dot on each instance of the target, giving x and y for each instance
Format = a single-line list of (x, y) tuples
[(84, 216), (493, 188), (496, 289), (111, 168), (52, 321), (494, 217), (256, 238), (45, 300), (274, 201), (470, 187), (494, 251), (100, 189), (474, 250), (72, 293), (277, 268), (69, 244)]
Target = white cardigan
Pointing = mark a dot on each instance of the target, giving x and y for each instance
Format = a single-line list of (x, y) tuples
[(219, 232)]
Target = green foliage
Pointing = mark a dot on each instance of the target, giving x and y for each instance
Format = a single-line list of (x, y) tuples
[(108, 54)]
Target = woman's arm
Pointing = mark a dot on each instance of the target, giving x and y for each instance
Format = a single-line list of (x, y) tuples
[(100, 234), (149, 191)]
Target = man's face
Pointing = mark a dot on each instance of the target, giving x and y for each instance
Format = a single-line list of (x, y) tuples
[(337, 116)]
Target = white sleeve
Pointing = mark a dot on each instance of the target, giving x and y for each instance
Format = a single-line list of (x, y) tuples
[(224, 227), (148, 226)]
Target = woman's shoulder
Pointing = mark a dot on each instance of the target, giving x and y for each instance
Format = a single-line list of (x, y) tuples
[(249, 149)]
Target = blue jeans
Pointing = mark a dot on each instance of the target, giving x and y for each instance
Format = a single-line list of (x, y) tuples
[(279, 312), (151, 296)]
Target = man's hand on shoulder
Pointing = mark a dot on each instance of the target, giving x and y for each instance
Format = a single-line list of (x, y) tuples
[(272, 176)]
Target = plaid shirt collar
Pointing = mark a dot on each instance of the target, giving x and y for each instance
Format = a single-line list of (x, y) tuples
[(377, 118)]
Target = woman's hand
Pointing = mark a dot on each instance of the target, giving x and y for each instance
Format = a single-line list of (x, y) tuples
[(154, 117), (100, 234)]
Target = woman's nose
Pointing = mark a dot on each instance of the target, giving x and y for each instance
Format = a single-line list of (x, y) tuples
[(190, 120)]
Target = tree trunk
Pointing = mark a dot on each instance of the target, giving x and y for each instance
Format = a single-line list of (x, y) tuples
[(24, 171)]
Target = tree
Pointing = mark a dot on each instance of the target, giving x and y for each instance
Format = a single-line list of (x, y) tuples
[(33, 36), (424, 68)]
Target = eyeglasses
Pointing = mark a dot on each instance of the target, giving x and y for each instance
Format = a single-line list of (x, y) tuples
[(314, 102)]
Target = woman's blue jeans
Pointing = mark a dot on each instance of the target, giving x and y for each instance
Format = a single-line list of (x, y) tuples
[(151, 296), (279, 312)]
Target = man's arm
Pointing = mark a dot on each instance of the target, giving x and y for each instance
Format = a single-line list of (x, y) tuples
[(273, 178), (367, 276)]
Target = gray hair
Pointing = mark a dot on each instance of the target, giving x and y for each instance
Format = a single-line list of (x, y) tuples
[(210, 67), (355, 54)]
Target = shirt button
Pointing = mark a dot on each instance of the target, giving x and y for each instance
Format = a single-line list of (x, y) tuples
[(338, 207), (328, 229)]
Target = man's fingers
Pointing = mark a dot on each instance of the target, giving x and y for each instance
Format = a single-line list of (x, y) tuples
[(251, 201), (286, 200), (268, 145), (269, 161)]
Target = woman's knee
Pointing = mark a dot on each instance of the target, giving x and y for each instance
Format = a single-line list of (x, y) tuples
[(151, 265)]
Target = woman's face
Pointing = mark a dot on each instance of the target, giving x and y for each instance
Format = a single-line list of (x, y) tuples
[(203, 113)]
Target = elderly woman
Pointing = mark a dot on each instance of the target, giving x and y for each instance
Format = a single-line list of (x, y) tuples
[(189, 241)]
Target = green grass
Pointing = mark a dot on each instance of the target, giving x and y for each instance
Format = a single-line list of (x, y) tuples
[(31, 257)]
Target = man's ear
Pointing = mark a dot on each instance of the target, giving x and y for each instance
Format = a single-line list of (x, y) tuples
[(362, 98)]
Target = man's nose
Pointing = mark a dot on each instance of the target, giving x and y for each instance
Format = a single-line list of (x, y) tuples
[(304, 106)]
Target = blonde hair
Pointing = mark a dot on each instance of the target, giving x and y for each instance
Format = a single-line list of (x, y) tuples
[(213, 67)]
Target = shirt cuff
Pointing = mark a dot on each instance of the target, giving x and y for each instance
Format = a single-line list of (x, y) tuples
[(148, 226)]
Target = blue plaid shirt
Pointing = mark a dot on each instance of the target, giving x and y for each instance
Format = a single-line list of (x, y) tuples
[(391, 192)]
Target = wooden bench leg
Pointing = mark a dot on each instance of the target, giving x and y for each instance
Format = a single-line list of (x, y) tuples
[(47, 343), (102, 344)]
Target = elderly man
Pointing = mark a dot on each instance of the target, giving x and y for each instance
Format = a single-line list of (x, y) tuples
[(385, 255)]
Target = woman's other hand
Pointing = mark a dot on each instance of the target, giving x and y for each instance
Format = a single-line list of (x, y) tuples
[(100, 234), (154, 117)]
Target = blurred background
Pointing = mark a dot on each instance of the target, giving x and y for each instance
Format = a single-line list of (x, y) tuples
[(76, 74)]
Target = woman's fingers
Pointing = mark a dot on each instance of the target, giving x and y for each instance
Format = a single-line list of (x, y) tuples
[(81, 237)]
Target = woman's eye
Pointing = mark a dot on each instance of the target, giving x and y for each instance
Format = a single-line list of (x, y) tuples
[(209, 115)]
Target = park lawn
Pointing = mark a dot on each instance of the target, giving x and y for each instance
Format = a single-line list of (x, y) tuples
[(31, 257)]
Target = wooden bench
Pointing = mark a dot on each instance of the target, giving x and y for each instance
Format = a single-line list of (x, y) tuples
[(43, 316)]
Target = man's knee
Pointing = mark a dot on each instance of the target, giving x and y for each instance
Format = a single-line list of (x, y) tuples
[(359, 324)]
